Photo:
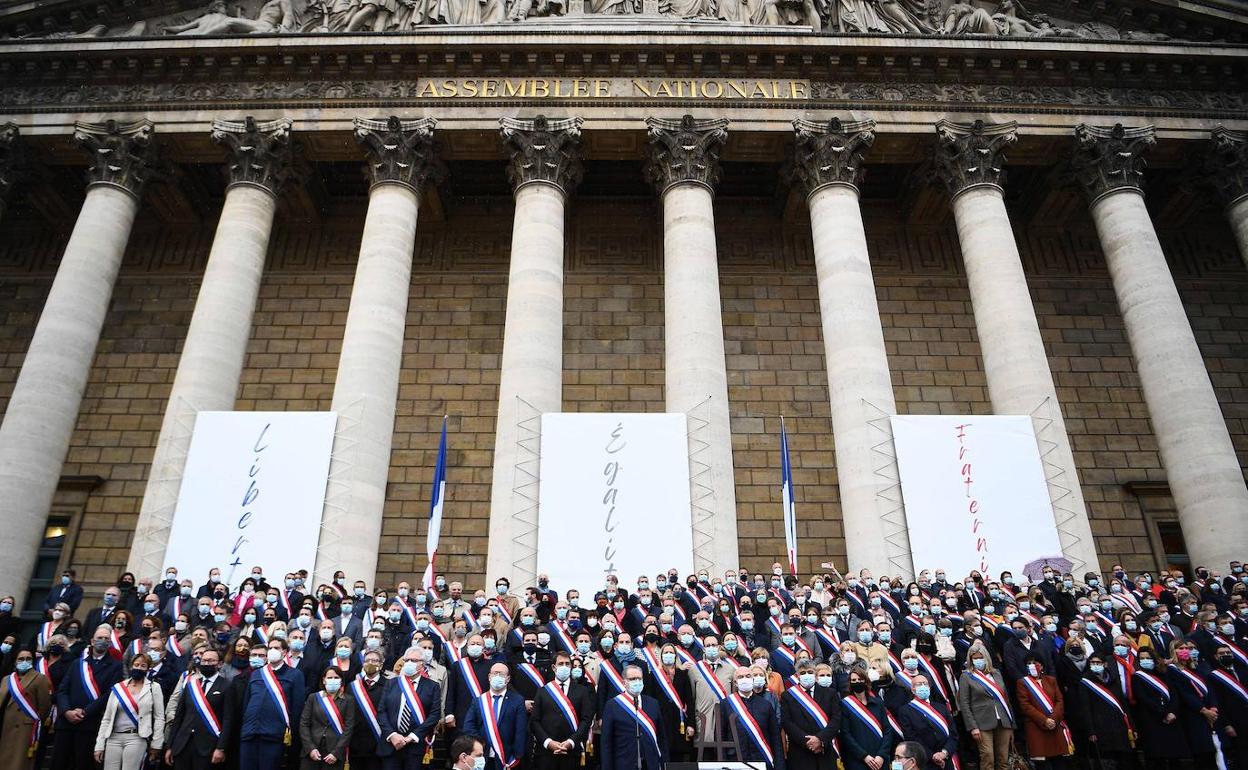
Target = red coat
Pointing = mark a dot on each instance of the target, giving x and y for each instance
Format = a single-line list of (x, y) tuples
[(1042, 742)]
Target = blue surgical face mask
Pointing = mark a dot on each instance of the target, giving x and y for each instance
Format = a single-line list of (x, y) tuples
[(669, 658), (498, 682), (410, 668), (886, 637), (257, 662), (922, 692), (979, 663), (332, 685), (806, 680), (730, 645), (478, 763), (563, 672), (23, 666), (635, 686), (1147, 664), (864, 637), (825, 681)]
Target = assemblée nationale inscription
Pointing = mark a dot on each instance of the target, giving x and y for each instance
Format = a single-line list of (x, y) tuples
[(612, 88)]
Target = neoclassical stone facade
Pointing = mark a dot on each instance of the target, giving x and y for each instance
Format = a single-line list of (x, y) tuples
[(734, 212)]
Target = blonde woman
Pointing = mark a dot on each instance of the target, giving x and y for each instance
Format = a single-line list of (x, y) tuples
[(133, 722), (985, 708)]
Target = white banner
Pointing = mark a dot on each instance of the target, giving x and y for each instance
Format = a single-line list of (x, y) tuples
[(974, 492), (252, 494), (614, 498)]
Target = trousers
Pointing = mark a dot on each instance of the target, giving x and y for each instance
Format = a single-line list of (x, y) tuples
[(124, 751), (994, 748), (259, 754)]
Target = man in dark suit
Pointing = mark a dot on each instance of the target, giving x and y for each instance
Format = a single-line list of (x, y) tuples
[(195, 743), (560, 740), (80, 701), (621, 728), (509, 743), (404, 731), (104, 613), (66, 591), (364, 743), (461, 694), (347, 623), (810, 730), (530, 670), (929, 723)]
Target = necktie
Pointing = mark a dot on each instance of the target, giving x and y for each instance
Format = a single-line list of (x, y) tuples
[(405, 719)]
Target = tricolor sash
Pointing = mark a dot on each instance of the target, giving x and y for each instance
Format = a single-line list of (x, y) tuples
[(284, 597), (1197, 683), (994, 692), (899, 670), (321, 613), (685, 656), (828, 638), (811, 706), (408, 610), (173, 646), (260, 633), (88, 679), (275, 689), (1155, 683), (886, 598), (1238, 651), (1104, 621), (787, 654), (892, 722), (136, 647), (45, 632), (1232, 683), (666, 684), (1032, 619), (126, 702), (332, 715), (1037, 692), (561, 635), (408, 689), (864, 715), (492, 732), (911, 620), (1103, 692), (856, 599), (642, 718), (533, 674), (932, 715), (708, 675), (470, 677), (504, 614), (199, 699), (752, 729), (775, 626), (367, 707), (27, 707), (935, 678), (115, 640), (607, 667), (564, 704)]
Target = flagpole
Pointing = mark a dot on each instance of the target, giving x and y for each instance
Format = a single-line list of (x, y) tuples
[(436, 504)]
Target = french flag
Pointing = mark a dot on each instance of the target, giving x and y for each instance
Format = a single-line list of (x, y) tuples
[(435, 508), (786, 496)]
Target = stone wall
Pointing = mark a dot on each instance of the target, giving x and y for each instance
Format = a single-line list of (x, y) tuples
[(614, 357)]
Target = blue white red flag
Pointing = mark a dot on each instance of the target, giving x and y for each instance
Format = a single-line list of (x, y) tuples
[(435, 509), (786, 495)]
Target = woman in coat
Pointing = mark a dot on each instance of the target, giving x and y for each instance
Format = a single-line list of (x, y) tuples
[(327, 721), (865, 728), (1196, 702), (1043, 713), (984, 705), (124, 741), (1156, 713), (1099, 714), (22, 692), (680, 744)]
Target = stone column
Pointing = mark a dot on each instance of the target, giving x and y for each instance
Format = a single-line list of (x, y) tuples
[(1201, 467), (970, 157), (401, 159), (43, 409), (12, 163), (216, 342), (829, 166), (545, 166), (684, 168), (1226, 167)]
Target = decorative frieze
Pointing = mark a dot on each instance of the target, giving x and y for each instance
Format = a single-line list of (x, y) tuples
[(830, 153), (973, 154), (1110, 158), (400, 151), (685, 151), (120, 154), (543, 150), (259, 153)]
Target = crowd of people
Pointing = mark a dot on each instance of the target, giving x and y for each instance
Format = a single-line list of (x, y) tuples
[(1097, 671)]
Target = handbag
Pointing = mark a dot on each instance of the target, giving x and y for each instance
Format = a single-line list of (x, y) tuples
[(1016, 761)]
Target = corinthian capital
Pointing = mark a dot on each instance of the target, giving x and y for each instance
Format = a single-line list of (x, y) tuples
[(543, 150), (259, 153), (685, 151), (973, 154), (830, 153), (13, 161), (1226, 164), (400, 151), (121, 155), (1109, 158)]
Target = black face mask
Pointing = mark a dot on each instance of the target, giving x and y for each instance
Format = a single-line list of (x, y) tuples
[(925, 649), (652, 638), (1226, 662), (138, 673), (210, 671), (530, 648), (857, 687)]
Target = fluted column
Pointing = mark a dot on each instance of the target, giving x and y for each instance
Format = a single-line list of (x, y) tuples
[(1201, 467), (1227, 169), (12, 163), (43, 409), (684, 167), (401, 159), (970, 160), (545, 166), (216, 342), (829, 166)]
